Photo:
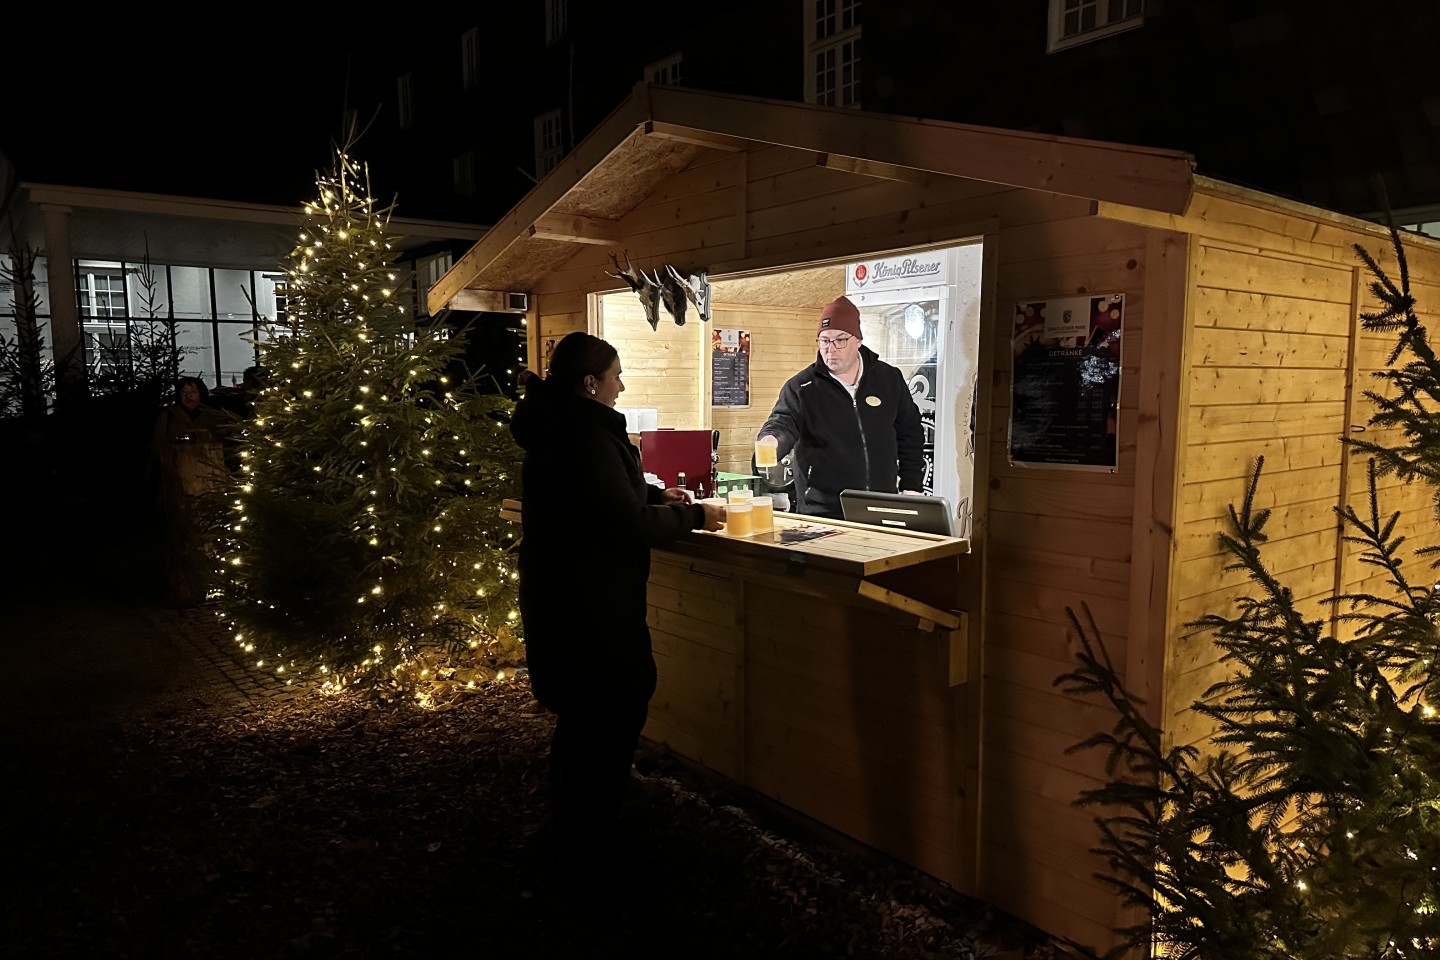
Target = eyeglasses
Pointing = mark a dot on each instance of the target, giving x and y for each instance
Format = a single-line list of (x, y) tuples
[(837, 343)]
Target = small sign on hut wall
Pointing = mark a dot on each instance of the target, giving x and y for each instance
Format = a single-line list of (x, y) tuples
[(1065, 383), (729, 368)]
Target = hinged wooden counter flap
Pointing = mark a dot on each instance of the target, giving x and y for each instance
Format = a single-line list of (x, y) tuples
[(857, 549), (839, 562)]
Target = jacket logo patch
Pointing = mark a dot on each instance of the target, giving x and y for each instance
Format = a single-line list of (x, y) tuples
[(873, 400)]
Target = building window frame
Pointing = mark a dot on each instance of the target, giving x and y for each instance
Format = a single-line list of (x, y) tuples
[(1075, 22), (549, 142), (665, 71), (833, 52), (470, 59), (463, 172), (557, 21), (427, 272), (102, 291), (405, 100)]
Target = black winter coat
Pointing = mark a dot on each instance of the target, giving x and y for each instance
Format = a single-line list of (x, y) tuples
[(836, 442), (589, 520)]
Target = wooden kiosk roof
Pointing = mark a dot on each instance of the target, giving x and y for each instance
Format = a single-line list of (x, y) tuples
[(659, 130)]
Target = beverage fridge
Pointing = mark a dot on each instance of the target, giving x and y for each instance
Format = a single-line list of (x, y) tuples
[(920, 313)]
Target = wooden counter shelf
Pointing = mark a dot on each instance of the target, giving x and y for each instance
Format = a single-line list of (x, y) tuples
[(845, 562), (856, 561)]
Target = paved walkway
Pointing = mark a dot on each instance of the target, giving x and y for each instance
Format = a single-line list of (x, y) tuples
[(80, 663)]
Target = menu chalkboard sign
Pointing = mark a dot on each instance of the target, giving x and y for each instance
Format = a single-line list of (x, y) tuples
[(729, 368), (1065, 388)]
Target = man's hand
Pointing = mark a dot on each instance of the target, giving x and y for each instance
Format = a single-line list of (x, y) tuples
[(677, 495)]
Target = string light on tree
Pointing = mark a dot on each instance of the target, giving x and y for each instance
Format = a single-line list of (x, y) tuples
[(372, 477)]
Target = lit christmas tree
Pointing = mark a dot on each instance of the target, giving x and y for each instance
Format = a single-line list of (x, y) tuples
[(362, 541)]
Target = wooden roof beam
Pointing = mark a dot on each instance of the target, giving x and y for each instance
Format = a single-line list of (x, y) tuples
[(575, 229), (869, 168), (489, 301), (701, 138), (1134, 175)]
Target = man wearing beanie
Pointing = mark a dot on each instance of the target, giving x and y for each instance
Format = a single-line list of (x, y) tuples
[(848, 420)]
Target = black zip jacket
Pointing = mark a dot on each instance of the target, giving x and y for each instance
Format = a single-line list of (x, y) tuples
[(589, 520), (873, 442)]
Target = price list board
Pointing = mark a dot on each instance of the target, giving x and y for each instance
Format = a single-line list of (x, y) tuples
[(1065, 400), (730, 368)]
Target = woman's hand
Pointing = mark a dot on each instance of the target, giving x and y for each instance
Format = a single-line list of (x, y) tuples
[(676, 495), (714, 516)]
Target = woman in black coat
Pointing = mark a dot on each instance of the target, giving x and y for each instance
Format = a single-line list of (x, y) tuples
[(589, 521)]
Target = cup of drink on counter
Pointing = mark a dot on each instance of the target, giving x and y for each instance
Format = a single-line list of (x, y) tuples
[(739, 519), (765, 453), (762, 514), (738, 496)]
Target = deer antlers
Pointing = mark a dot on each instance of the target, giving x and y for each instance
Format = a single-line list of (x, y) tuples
[(668, 286)]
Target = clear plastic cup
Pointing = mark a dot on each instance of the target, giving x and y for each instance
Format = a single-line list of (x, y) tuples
[(739, 519), (739, 496), (762, 514), (765, 454)]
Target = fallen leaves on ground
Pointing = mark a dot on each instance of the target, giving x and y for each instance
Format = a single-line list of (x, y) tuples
[(320, 827)]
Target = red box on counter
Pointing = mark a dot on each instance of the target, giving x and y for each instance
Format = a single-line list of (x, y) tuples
[(669, 453)]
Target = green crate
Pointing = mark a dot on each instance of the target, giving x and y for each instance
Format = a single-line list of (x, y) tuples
[(725, 482)]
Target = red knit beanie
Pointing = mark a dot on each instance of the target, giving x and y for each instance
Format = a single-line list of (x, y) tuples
[(841, 315)]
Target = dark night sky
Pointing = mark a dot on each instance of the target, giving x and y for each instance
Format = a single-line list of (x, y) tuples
[(228, 112)]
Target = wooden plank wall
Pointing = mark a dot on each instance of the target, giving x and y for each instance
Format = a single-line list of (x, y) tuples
[(667, 368), (1277, 362), (782, 341), (1372, 350), (662, 367), (1056, 538), (849, 720), (697, 634)]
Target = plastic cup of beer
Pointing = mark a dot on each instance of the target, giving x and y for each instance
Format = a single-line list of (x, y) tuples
[(741, 495), (762, 514), (739, 519), (765, 454)]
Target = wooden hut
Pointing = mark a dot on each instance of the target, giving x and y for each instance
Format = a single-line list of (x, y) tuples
[(945, 744)]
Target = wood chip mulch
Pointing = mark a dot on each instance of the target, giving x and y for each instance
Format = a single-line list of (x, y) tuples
[(322, 827)]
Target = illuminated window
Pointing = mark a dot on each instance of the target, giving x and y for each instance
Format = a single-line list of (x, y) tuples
[(102, 290), (1074, 22), (832, 73)]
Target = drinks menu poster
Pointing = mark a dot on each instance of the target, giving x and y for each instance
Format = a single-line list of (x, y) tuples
[(1065, 383), (729, 368)]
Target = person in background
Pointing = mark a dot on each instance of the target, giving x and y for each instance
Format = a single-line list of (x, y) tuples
[(253, 382), (848, 420), (186, 450), (589, 520), (239, 402)]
